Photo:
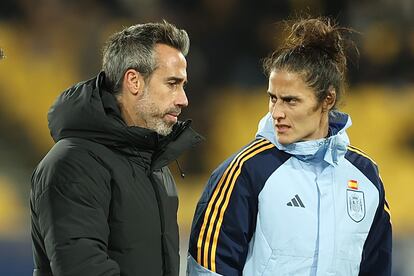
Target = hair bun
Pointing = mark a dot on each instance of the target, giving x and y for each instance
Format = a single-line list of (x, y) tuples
[(317, 49), (317, 34)]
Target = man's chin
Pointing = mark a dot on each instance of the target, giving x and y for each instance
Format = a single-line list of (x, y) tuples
[(164, 129)]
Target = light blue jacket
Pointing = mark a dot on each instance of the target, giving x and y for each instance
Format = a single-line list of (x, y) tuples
[(308, 208)]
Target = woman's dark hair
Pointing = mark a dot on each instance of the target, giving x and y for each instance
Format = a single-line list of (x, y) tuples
[(316, 49)]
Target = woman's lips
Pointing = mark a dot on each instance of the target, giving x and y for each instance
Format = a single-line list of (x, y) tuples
[(281, 128)]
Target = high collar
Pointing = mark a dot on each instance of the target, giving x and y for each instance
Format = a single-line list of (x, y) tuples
[(182, 139), (89, 111), (330, 149)]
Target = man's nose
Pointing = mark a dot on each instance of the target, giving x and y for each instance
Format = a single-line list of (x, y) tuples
[(181, 100)]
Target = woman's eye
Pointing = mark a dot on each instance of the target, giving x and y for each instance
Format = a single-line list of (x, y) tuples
[(291, 100)]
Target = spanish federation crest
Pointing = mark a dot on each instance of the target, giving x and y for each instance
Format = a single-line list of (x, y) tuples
[(356, 205)]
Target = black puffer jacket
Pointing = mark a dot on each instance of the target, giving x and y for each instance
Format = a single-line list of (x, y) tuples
[(103, 201)]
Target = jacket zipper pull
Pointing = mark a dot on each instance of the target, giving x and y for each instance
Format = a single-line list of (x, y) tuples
[(179, 169)]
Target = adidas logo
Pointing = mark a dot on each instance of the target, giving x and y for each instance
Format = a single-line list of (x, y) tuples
[(296, 201)]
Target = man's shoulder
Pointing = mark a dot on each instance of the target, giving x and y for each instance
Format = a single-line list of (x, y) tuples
[(69, 151), (68, 160)]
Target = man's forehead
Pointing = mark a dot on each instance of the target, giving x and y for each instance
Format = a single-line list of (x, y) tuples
[(163, 51)]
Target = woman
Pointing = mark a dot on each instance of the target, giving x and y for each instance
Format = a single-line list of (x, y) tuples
[(298, 200)]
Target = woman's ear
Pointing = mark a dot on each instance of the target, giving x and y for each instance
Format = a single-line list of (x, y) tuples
[(330, 99)]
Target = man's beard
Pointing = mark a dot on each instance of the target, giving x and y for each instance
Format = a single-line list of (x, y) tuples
[(153, 116)]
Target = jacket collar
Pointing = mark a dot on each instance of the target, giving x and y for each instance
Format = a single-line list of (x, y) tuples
[(88, 110), (171, 147), (330, 149)]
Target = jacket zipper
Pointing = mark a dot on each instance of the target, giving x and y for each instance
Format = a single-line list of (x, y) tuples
[(161, 216)]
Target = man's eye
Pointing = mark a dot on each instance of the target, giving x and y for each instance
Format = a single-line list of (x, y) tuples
[(272, 98)]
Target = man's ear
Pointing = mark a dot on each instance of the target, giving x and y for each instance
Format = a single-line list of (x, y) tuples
[(133, 82), (330, 99)]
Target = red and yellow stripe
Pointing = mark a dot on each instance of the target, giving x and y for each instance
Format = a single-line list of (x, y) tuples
[(353, 184), (222, 193)]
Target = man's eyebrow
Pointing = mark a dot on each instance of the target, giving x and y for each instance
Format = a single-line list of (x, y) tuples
[(177, 79), (271, 94)]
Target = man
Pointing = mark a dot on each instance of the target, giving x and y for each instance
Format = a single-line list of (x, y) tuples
[(103, 201)]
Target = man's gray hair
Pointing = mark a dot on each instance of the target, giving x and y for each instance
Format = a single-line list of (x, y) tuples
[(133, 48)]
